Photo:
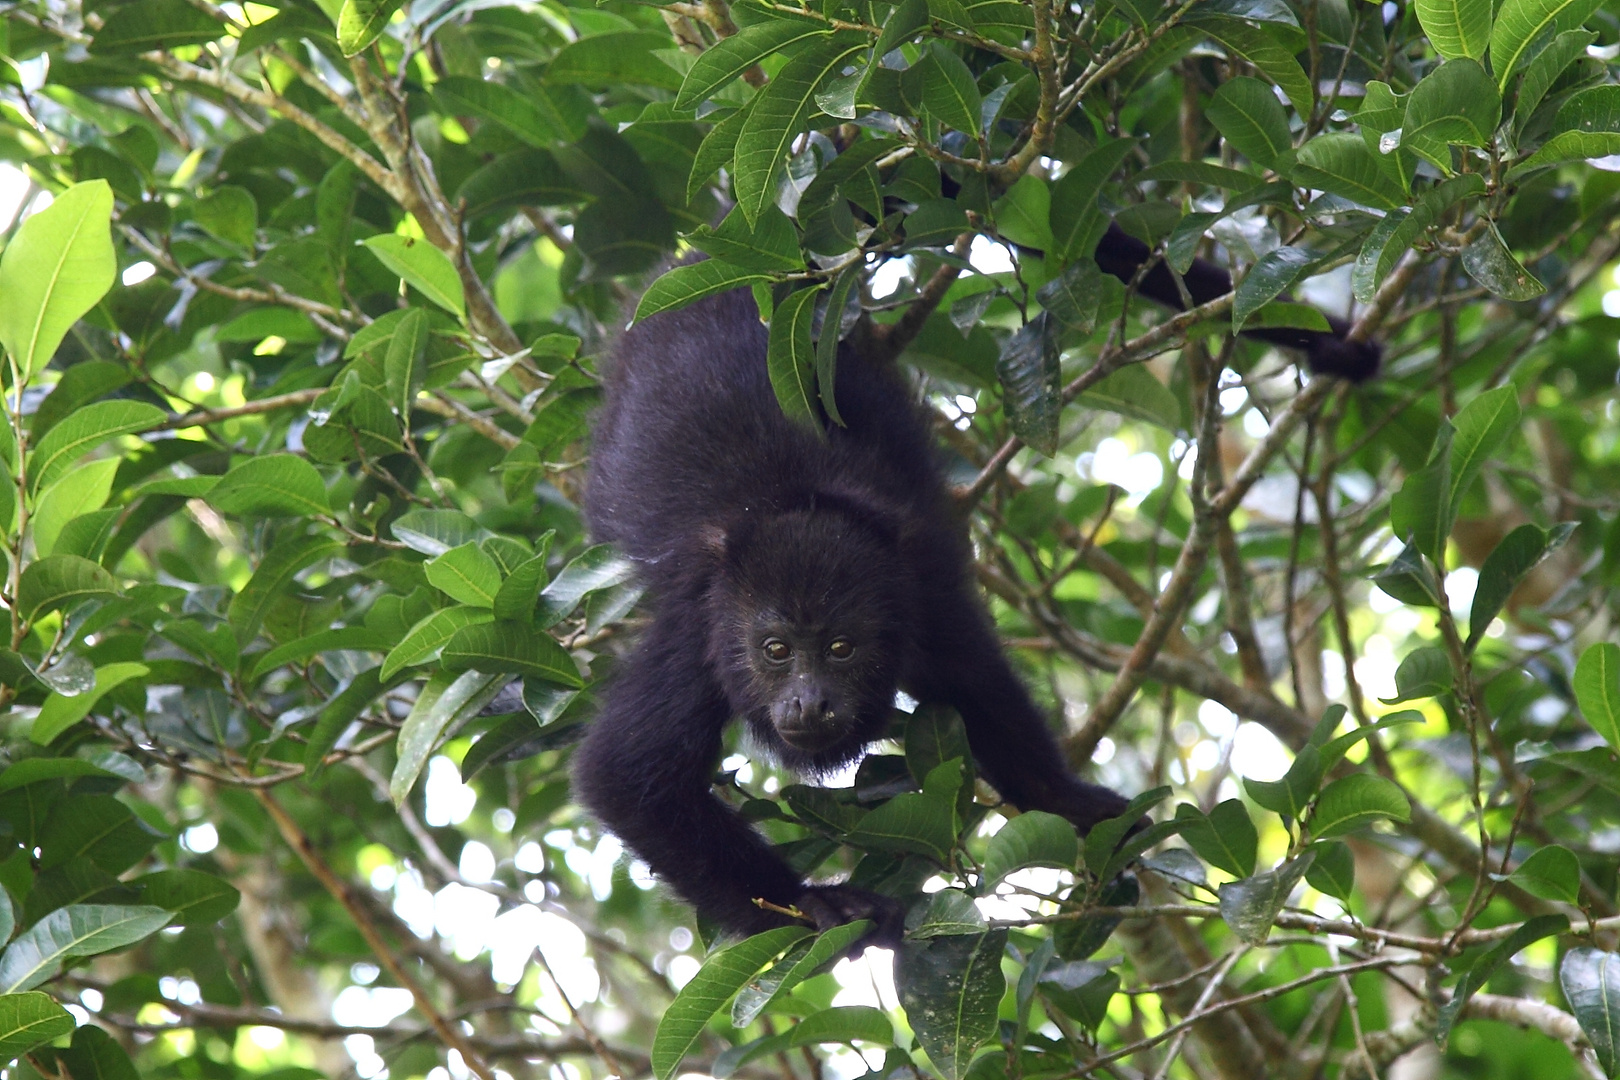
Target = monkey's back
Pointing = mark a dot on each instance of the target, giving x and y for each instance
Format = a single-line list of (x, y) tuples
[(691, 435)]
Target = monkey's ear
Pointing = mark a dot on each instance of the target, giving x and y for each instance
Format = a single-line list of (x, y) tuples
[(712, 539)]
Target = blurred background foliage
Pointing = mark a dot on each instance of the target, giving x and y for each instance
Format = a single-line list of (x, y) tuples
[(303, 306)]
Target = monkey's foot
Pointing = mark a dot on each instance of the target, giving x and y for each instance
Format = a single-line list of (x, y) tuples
[(834, 905)]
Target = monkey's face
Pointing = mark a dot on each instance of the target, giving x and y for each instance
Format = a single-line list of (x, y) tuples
[(809, 636)]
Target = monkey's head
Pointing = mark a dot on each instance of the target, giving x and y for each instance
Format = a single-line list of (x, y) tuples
[(809, 632)]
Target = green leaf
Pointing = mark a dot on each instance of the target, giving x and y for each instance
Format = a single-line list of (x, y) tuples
[(1481, 428), (98, 828), (1226, 838), (1542, 72), (336, 715), (424, 267), (278, 485), (434, 532), (950, 988), (832, 330), (1075, 296), (81, 491), (1250, 906), (85, 429), (846, 1024), (948, 913), (1591, 983), (94, 1055), (912, 823), (1380, 118), (149, 25), (717, 148), (518, 594), (1033, 838), (230, 213), (77, 930), (594, 569), (1356, 800), (337, 639), (778, 115), (688, 284), (445, 703), (1424, 672), (1518, 553), (1475, 978), (1586, 126), (1489, 262), (950, 93), (1023, 215), (1552, 873), (903, 24), (404, 365), (768, 244), (1031, 380), (722, 975), (1248, 115), (194, 898), (30, 1020), (615, 59), (59, 713), (729, 57), (283, 562), (1456, 27), (1392, 236), (803, 961), (1265, 52), (525, 115), (1268, 279), (1519, 23), (424, 640), (1076, 216), (361, 22), (1597, 689), (466, 574), (1456, 104), (1421, 511), (791, 357), (1105, 838), (1333, 870), (60, 581), (509, 647), (1339, 162)]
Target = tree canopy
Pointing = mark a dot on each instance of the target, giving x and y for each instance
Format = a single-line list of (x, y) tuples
[(302, 304)]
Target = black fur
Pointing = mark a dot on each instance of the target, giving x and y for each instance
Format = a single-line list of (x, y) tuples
[(750, 529), (1122, 255)]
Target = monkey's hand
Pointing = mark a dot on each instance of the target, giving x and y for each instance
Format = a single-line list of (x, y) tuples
[(834, 905)]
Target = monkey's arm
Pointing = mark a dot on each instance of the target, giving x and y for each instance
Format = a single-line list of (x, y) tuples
[(644, 770), (1010, 740), (1123, 255)]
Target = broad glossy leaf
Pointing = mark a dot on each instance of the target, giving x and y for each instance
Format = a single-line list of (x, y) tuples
[(614, 59), (466, 574), (1250, 905), (777, 117), (434, 532), (688, 284), (1033, 838), (59, 713), (424, 640), (81, 491), (1076, 218), (1423, 673), (833, 327), (722, 975), (950, 988), (1392, 236), (791, 357), (950, 92), (1457, 104), (340, 710), (512, 648), (1031, 381), (846, 1024), (232, 214), (1339, 162), (281, 564), (595, 568), (77, 930), (1520, 22), (1268, 279), (195, 898), (85, 430), (361, 22), (803, 961), (729, 57), (1586, 126), (154, 24), (948, 913), (404, 364), (1333, 870), (1226, 838), (520, 113), (1475, 978), (30, 1020), (912, 823), (279, 485), (1552, 873), (1481, 427), (1248, 115), (424, 267), (60, 581), (1515, 556), (1356, 800), (1421, 511), (1542, 72), (1597, 689), (445, 703), (1456, 27), (766, 245), (95, 1055), (1590, 979), (1260, 48)]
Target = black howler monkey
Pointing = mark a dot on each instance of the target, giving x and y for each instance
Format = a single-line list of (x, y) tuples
[(796, 581)]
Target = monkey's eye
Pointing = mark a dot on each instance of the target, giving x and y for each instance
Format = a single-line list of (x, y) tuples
[(841, 649), (777, 650)]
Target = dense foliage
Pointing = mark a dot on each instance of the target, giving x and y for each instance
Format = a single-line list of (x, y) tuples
[(302, 305)]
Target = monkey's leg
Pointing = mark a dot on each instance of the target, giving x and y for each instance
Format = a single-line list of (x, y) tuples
[(1010, 739), (644, 770)]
